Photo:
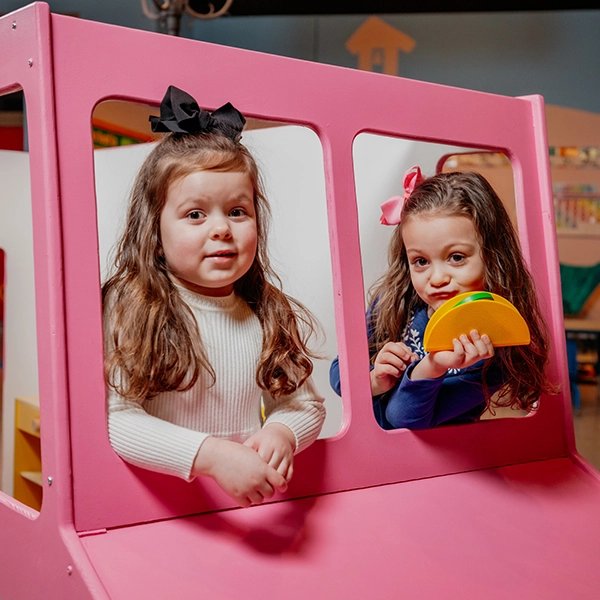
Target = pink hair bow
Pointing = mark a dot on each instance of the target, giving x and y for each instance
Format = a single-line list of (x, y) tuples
[(391, 209)]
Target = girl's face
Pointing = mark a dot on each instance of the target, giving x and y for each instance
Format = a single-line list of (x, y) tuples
[(208, 230), (444, 257)]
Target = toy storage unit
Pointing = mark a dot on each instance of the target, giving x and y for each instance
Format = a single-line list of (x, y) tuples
[(574, 162), (28, 459), (498, 509)]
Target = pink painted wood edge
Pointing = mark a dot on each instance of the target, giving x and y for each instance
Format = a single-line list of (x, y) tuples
[(25, 41)]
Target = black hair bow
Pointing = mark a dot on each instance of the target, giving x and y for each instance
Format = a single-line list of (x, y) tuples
[(180, 113)]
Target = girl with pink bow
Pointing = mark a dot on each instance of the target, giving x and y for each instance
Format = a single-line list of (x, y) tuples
[(452, 235)]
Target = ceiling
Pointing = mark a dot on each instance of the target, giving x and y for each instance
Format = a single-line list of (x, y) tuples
[(332, 7)]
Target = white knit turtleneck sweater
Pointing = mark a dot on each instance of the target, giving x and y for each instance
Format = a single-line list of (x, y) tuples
[(164, 434)]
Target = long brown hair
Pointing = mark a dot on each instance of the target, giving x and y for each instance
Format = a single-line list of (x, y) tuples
[(153, 344), (393, 297)]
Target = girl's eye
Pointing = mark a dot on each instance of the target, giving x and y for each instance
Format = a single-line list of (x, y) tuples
[(237, 212), (194, 215), (457, 258), (420, 262)]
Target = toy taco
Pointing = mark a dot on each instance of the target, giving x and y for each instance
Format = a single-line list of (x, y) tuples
[(486, 312)]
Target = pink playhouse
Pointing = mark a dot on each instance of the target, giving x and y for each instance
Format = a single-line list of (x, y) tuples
[(503, 508)]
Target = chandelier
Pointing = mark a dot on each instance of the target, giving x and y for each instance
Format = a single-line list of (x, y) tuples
[(169, 12)]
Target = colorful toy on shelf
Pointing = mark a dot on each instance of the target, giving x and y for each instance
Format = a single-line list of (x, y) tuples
[(486, 312)]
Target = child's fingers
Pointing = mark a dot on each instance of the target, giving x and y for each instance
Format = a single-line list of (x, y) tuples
[(482, 343), (267, 453), (488, 345), (285, 467), (259, 494), (467, 345), (472, 349), (282, 463), (277, 480), (251, 442), (383, 370), (275, 459), (390, 363), (400, 350), (410, 356), (263, 450), (290, 471), (265, 489), (459, 345)]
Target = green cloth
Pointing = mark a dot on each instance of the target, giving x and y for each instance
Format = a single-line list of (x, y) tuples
[(577, 285)]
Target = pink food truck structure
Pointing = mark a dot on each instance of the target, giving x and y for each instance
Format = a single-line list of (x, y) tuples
[(502, 508)]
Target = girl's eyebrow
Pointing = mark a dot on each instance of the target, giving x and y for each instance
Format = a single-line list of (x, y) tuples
[(192, 199), (445, 248), (243, 197), (468, 245)]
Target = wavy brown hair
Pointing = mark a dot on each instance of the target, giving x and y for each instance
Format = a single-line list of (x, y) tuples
[(152, 340), (393, 297)]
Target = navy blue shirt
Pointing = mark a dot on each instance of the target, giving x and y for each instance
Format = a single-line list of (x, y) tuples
[(456, 397)]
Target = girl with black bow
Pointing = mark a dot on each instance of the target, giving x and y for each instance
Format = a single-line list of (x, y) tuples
[(206, 359)]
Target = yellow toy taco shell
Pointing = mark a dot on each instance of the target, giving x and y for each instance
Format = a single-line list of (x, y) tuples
[(486, 312)]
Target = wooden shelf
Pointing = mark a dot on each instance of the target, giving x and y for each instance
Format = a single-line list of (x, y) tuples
[(28, 456), (583, 325), (33, 476)]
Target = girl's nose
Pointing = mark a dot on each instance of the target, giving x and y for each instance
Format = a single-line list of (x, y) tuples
[(439, 276), (220, 229)]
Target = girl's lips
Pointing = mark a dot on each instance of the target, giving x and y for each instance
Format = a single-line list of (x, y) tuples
[(221, 258), (443, 296), (223, 254)]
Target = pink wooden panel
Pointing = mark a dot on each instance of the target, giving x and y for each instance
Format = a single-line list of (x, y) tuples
[(116, 62), (37, 549), (522, 531), (526, 530)]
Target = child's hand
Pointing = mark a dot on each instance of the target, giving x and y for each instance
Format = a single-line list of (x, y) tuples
[(239, 471), (275, 444), (467, 351), (390, 362)]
